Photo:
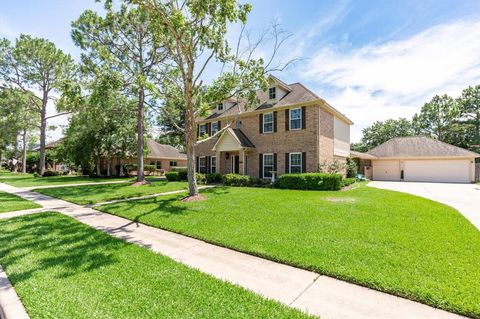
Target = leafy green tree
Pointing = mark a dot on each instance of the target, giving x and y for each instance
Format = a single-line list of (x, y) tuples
[(380, 132), (469, 104), (35, 65), (437, 117), (122, 42), (195, 32)]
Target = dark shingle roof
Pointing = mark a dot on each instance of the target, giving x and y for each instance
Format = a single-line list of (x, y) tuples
[(419, 146), (163, 151), (241, 137)]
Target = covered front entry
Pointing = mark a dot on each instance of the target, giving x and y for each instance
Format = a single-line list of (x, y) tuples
[(232, 150)]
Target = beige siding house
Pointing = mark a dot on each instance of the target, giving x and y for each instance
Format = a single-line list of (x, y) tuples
[(420, 159), (290, 130)]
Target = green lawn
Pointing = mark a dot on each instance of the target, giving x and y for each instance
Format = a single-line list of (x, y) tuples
[(390, 241), (90, 194), (61, 268), (9, 203), (27, 180)]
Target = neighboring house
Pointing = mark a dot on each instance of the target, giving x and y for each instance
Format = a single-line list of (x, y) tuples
[(419, 159), (163, 156), (53, 166), (290, 130)]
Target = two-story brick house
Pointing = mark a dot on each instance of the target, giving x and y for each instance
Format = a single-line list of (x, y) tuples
[(291, 130)]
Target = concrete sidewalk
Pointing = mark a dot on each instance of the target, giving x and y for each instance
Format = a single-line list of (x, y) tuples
[(73, 185), (305, 290)]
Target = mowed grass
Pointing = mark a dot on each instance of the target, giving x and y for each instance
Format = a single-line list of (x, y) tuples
[(10, 202), (91, 194), (389, 241), (27, 180), (61, 268)]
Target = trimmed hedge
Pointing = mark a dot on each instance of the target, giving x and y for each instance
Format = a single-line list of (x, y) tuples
[(172, 176), (310, 181), (237, 180), (348, 181), (213, 178)]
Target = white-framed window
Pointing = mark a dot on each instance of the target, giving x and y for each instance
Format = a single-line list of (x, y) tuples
[(215, 128), (296, 119), (158, 164), (202, 164), (173, 163), (220, 106), (267, 122), (295, 161), (213, 164), (272, 93), (202, 130), (267, 165)]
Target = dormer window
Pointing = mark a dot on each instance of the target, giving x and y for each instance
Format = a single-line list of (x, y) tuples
[(220, 106), (272, 93)]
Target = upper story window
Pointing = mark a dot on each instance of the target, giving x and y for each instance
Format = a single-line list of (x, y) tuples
[(296, 119), (202, 130), (215, 128), (295, 163), (267, 122), (272, 93), (220, 106)]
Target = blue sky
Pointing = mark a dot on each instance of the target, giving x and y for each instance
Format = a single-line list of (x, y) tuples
[(372, 60)]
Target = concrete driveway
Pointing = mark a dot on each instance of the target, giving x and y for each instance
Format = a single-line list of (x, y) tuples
[(463, 197)]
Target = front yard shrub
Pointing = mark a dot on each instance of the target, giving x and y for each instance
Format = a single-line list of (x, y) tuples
[(213, 178), (310, 181), (237, 180), (172, 176), (51, 173), (348, 181), (201, 178), (182, 173)]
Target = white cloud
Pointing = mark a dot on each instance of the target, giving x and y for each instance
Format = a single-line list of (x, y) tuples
[(393, 79)]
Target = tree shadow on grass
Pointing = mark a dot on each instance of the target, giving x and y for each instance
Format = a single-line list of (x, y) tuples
[(53, 242)]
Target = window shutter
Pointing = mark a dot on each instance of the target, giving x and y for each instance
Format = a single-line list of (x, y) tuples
[(197, 164), (304, 117), (198, 131), (207, 164), (287, 163), (209, 129), (275, 121), (287, 120), (260, 165), (219, 125), (275, 162), (304, 162), (260, 123)]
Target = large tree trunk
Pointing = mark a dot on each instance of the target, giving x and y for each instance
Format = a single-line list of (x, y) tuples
[(121, 168), (140, 131), (98, 166), (108, 166), (43, 129), (24, 154), (190, 137)]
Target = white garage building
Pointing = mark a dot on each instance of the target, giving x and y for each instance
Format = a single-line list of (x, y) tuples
[(422, 159)]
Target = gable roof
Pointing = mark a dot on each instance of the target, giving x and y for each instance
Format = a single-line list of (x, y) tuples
[(163, 151), (297, 94), (238, 136), (419, 146)]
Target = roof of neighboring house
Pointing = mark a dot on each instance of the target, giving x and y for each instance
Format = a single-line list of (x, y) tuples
[(297, 94), (50, 145), (163, 151), (419, 146), (361, 155)]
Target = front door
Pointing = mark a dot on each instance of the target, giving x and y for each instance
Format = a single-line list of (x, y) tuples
[(235, 164)]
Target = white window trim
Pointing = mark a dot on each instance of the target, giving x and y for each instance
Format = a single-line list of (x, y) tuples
[(275, 92), (263, 164), (273, 120), (200, 163), (290, 119), (211, 162), (290, 161)]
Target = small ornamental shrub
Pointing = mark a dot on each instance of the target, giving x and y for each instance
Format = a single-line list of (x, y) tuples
[(51, 173), (348, 181), (237, 180), (201, 178), (182, 173), (310, 181), (172, 176), (213, 178)]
